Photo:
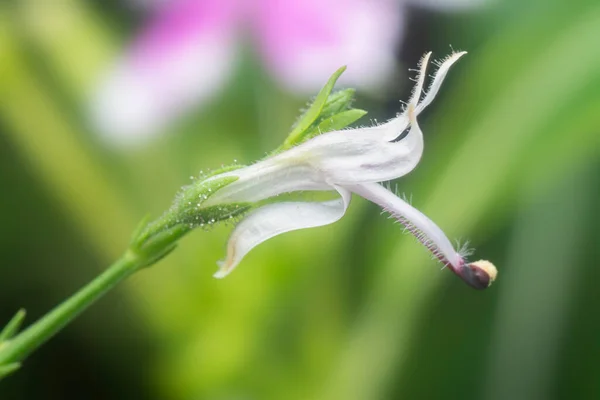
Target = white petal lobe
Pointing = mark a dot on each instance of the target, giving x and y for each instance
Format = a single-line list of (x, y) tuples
[(274, 219), (418, 89), (438, 79), (334, 158)]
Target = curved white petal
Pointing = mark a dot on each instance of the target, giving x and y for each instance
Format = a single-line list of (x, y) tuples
[(268, 178), (341, 157), (363, 155), (438, 79), (417, 223), (418, 89), (393, 128), (274, 219), (181, 59)]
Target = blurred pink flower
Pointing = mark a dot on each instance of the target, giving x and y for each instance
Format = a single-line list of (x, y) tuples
[(187, 52)]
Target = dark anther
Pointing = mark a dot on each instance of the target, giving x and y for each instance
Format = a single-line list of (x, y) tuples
[(476, 277)]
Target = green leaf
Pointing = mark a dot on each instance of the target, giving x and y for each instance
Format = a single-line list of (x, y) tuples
[(13, 326)]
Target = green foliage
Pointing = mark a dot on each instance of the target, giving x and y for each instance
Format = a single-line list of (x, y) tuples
[(10, 330), (337, 122), (327, 112), (312, 112), (13, 326)]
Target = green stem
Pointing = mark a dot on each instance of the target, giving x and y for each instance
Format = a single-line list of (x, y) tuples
[(37, 334)]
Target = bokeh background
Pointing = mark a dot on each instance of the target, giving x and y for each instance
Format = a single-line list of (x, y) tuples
[(355, 310)]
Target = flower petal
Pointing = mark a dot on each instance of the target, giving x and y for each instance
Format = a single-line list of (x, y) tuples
[(438, 79), (341, 157), (268, 178), (393, 128), (274, 219), (417, 223), (181, 59), (418, 89), (363, 155)]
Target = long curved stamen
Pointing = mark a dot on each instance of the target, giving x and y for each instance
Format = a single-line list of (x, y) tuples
[(415, 222), (478, 275)]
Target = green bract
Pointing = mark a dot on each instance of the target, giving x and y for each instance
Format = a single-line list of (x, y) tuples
[(328, 111)]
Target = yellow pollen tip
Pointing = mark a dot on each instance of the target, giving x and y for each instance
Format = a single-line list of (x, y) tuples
[(488, 267)]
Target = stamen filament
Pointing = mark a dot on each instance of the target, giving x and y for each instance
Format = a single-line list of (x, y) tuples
[(415, 222)]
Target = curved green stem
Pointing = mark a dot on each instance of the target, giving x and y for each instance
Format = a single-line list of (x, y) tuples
[(37, 334)]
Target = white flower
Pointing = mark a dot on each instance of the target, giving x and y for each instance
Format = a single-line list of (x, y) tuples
[(348, 161)]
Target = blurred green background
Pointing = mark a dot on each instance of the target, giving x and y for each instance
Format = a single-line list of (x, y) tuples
[(355, 310)]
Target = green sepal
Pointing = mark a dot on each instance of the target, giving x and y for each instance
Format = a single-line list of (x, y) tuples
[(337, 102), (8, 369), (328, 112), (155, 256), (338, 121), (153, 241), (222, 170), (206, 216), (13, 326), (154, 246), (141, 226), (188, 201), (312, 113), (157, 246), (191, 197)]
